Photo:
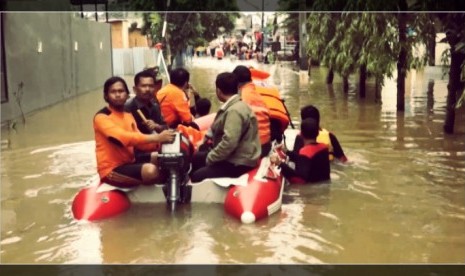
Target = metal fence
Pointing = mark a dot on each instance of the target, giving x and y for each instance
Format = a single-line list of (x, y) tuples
[(132, 60)]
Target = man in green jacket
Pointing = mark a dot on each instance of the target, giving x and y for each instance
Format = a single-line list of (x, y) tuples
[(236, 146)]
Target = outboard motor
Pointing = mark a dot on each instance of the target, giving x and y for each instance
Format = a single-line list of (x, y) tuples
[(174, 158)]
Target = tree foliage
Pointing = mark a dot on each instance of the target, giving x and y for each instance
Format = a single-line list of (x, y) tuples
[(291, 23), (185, 28), (453, 26), (347, 41)]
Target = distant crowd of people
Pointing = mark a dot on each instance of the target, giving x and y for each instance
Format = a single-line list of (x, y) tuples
[(237, 50)]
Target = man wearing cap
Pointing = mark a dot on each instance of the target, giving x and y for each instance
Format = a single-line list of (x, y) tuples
[(250, 96)]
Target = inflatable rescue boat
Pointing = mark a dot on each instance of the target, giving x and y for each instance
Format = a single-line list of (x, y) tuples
[(250, 197)]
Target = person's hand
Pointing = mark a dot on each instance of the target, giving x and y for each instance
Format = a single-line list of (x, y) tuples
[(284, 148), (191, 92), (281, 151), (150, 124), (160, 128), (166, 136), (191, 88), (274, 159)]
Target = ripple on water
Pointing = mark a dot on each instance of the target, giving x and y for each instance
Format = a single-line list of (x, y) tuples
[(75, 159), (32, 176), (10, 240)]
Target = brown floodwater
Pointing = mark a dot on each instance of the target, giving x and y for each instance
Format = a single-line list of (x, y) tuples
[(400, 199)]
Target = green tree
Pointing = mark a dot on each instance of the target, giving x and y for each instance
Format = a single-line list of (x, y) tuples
[(186, 28), (453, 25), (321, 28), (367, 41), (455, 36)]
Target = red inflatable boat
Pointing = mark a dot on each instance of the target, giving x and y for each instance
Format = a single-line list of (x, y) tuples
[(249, 198)]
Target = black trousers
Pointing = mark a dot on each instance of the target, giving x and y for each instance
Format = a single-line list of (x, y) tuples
[(201, 171)]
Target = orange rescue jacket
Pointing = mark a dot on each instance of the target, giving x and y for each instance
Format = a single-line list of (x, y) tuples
[(116, 134), (275, 105), (250, 96), (174, 105)]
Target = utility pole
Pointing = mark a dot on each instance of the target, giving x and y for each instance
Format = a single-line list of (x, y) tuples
[(263, 30), (303, 60)]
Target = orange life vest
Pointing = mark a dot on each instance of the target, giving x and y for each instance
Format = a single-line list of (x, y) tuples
[(174, 105), (270, 96), (195, 136), (250, 96), (258, 74)]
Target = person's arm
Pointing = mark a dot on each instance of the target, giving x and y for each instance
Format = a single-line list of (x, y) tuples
[(230, 139), (337, 149), (158, 119), (287, 171), (302, 166), (146, 124), (293, 156), (126, 138), (131, 107), (298, 144)]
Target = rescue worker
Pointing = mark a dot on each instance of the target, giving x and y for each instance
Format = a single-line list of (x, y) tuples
[(173, 100), (279, 116), (324, 136), (250, 96), (116, 136), (312, 160)]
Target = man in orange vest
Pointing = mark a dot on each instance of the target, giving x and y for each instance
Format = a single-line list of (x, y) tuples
[(173, 100), (250, 96), (279, 116)]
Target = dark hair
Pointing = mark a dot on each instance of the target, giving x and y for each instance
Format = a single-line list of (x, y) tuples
[(309, 128), (109, 82), (202, 106), (148, 73), (227, 83), (179, 76), (242, 73), (310, 111)]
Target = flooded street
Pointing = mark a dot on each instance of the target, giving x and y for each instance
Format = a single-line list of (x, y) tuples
[(400, 199)]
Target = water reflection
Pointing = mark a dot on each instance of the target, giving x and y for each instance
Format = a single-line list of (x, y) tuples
[(400, 199)]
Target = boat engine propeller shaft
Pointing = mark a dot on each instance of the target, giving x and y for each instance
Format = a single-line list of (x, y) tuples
[(172, 160)]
